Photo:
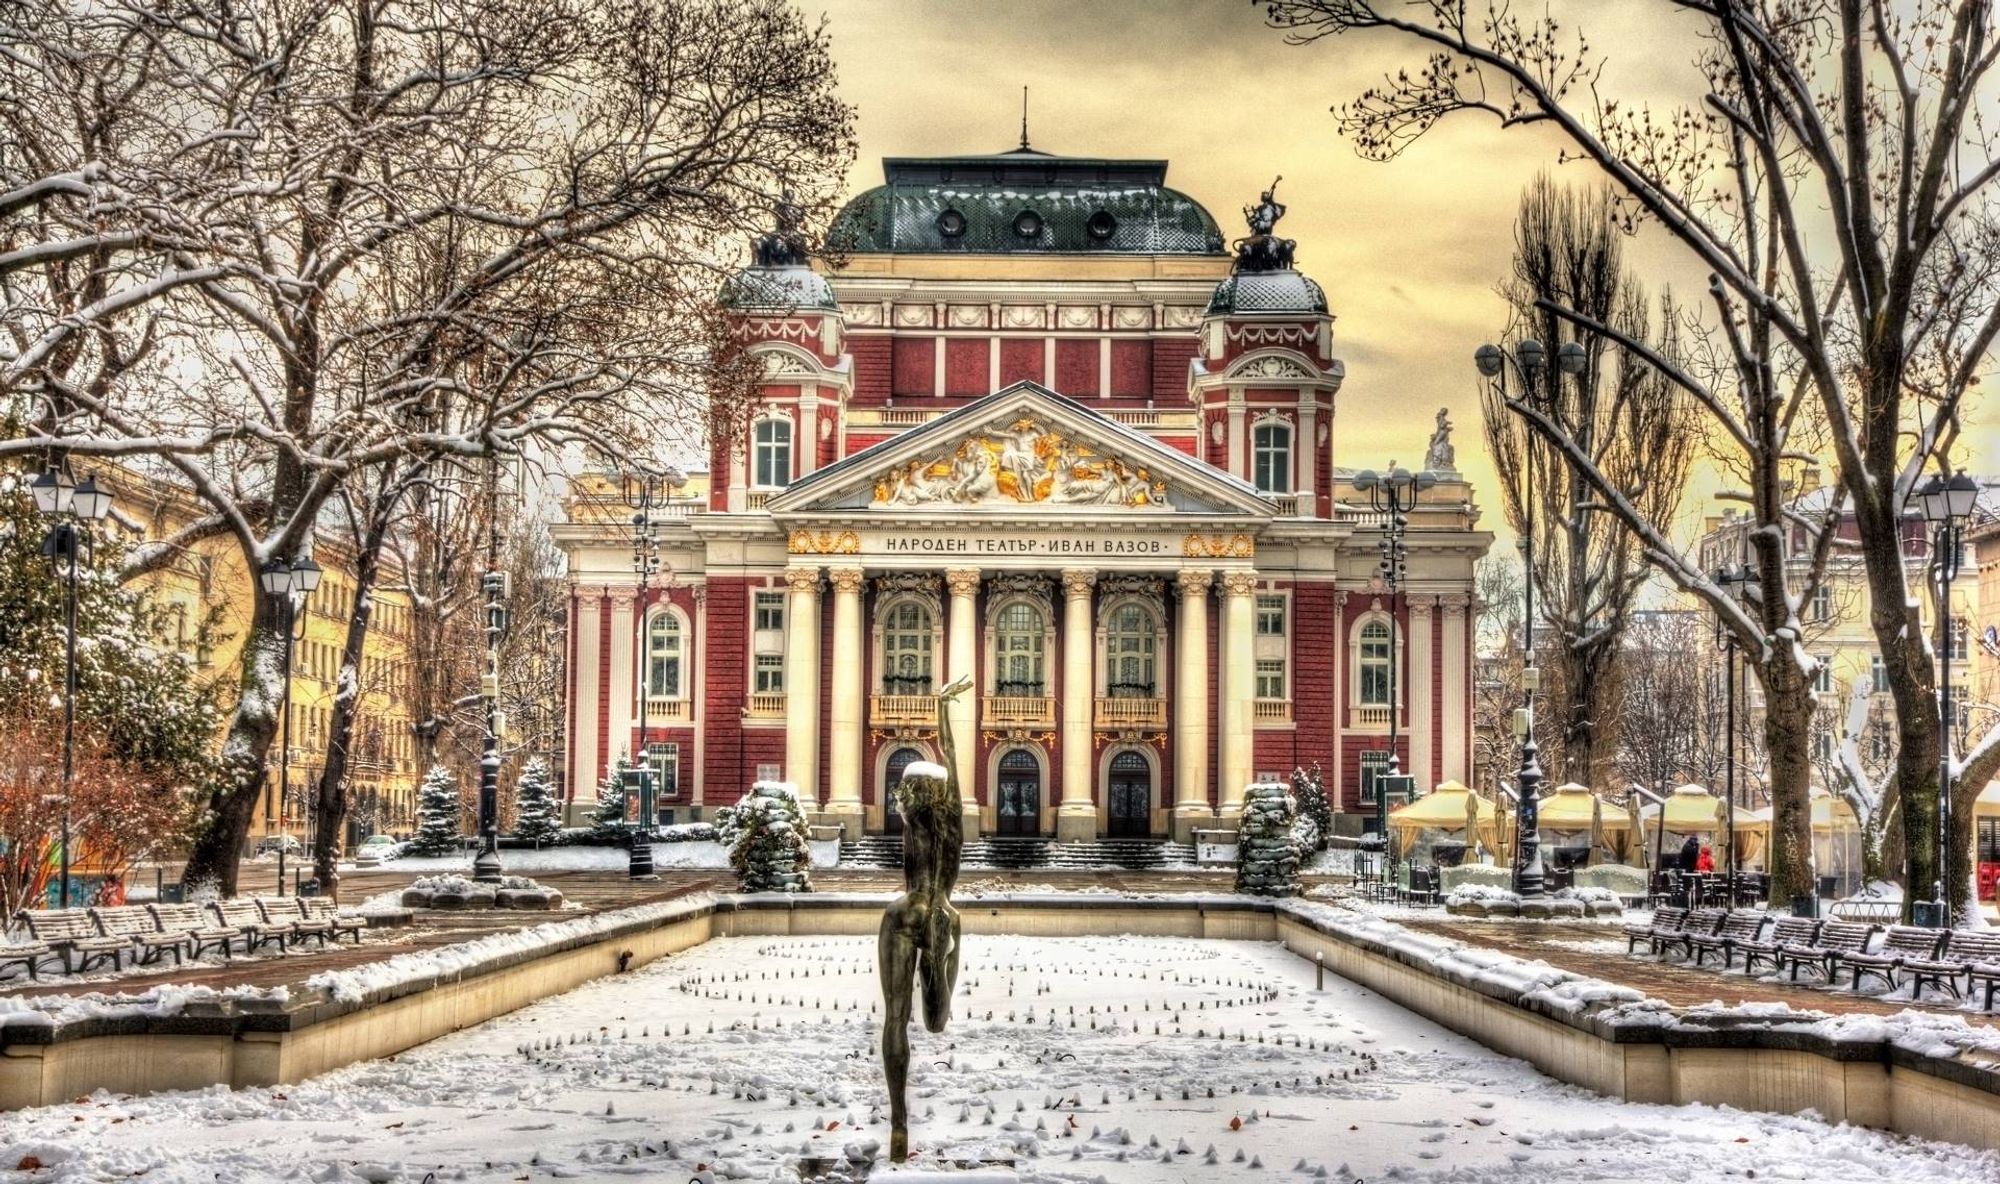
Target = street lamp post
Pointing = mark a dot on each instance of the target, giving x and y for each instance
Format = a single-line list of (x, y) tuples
[(642, 492), (1735, 579), (288, 585), (1947, 503), (1393, 494), (73, 507), (1528, 360), (486, 863)]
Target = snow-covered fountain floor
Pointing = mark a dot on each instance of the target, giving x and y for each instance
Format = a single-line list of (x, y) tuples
[(1073, 1059)]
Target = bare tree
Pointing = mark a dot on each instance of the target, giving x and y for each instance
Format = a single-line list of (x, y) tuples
[(1839, 113), (1627, 418), (589, 163), (1497, 585)]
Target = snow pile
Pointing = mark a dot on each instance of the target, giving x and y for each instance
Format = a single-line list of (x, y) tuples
[(47, 1011), (465, 886), (769, 852), (1465, 894), (1589, 895), (357, 983)]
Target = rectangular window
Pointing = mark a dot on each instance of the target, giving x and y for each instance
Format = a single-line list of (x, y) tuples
[(1960, 639), (1374, 765), (1822, 743), (1822, 603), (1270, 616), (665, 758), (769, 610), (770, 674), (1270, 679), (1878, 674), (1822, 680), (768, 772)]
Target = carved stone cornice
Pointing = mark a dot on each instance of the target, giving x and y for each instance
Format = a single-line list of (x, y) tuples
[(1020, 584), (962, 581), (1239, 583), (802, 579), (1078, 581), (846, 580), (1148, 587), (1195, 581), (920, 583)]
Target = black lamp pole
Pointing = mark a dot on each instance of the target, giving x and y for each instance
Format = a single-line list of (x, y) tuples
[(1393, 495), (73, 507), (486, 863), (1527, 363), (1947, 503), (642, 491), (288, 585)]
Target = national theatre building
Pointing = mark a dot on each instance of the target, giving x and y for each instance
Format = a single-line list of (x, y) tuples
[(1045, 428)]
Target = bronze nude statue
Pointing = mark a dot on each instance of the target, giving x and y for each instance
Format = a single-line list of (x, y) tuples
[(920, 930)]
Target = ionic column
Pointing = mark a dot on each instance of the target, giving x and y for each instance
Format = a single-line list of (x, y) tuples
[(1076, 816), (586, 745), (802, 682), (1453, 712), (1239, 670), (628, 662), (1190, 744), (962, 661), (1417, 678), (848, 712)]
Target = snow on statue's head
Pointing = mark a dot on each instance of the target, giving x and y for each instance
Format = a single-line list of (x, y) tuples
[(926, 787)]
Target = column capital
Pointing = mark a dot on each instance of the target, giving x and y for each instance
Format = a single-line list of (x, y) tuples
[(1239, 583), (802, 579), (1455, 604), (622, 596), (963, 581), (846, 580), (1078, 581), (1195, 581), (1421, 606)]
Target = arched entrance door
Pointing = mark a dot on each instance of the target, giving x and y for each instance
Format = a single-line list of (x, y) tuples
[(1020, 793), (892, 776), (1130, 797)]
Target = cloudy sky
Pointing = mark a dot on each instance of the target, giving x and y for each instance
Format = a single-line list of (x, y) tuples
[(1409, 252)]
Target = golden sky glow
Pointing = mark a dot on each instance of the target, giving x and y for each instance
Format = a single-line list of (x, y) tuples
[(1409, 252)]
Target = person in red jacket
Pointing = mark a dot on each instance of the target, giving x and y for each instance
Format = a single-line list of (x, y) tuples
[(1704, 863)]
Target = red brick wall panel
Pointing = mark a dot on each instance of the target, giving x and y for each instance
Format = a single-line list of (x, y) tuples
[(874, 363), (913, 369), (967, 366), (1021, 358), (727, 765), (1076, 367), (1131, 367), (1171, 356)]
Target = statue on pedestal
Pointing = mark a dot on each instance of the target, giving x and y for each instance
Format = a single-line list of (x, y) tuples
[(920, 931), (1441, 457)]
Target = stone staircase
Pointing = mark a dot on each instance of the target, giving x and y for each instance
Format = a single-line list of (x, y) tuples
[(1020, 854)]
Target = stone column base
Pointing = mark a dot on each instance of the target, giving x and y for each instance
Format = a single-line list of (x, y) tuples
[(1076, 824), (969, 820), (1229, 816), (1187, 818), (844, 814)]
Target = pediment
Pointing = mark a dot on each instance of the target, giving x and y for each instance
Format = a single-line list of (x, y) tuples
[(1024, 450)]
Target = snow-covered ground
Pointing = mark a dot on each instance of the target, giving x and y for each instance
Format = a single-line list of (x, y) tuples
[(592, 859), (1068, 1060)]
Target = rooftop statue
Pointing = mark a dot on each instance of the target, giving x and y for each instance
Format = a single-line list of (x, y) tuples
[(1263, 250), (783, 245), (920, 931), (1442, 457)]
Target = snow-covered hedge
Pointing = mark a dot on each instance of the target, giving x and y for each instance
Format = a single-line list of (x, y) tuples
[(1615, 878), (1481, 875)]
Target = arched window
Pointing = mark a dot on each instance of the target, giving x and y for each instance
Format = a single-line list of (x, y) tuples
[(773, 454), (907, 639), (663, 657), (1130, 657), (1375, 642), (1271, 457), (1018, 641)]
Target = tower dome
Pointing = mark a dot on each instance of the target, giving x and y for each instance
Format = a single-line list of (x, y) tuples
[(779, 278), (1263, 280)]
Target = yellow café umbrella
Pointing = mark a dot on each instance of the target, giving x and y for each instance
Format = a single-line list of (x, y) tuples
[(1693, 810), (1574, 808), (1446, 808)]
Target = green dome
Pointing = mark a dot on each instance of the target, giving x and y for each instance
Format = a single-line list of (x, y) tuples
[(1024, 201), (795, 286), (1267, 291)]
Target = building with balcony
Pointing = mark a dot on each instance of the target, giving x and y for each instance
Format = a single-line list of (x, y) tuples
[(1043, 429)]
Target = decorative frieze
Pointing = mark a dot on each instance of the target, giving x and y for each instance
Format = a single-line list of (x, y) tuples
[(1218, 546), (823, 542)]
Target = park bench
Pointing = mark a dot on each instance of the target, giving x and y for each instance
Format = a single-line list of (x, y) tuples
[(1665, 921), (1900, 944), (74, 937), (1836, 939), (195, 927), (1787, 933), (247, 920), (26, 954), (134, 925), (1972, 953), (322, 909), (1739, 927), (1700, 923), (312, 917)]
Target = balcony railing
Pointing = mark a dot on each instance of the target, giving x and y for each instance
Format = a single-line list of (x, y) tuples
[(1287, 503), (668, 711), (1274, 711), (759, 496), (1122, 712), (1369, 716), (1019, 711), (894, 710), (766, 704)]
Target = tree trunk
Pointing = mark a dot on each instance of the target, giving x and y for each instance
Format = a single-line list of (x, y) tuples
[(1788, 747), (244, 767)]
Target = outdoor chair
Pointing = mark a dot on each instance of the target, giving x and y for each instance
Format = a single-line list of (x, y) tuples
[(1787, 933), (244, 917), (195, 927), (1836, 938), (1901, 944), (135, 925), (74, 937), (1740, 927), (1424, 887), (1973, 954)]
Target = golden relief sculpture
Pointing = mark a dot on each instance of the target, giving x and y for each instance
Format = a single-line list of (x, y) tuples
[(1218, 546), (1021, 463), (823, 542)]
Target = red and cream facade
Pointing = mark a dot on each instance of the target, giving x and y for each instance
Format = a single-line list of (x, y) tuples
[(1091, 482)]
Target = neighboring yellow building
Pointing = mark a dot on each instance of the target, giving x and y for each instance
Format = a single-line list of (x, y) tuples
[(207, 591)]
